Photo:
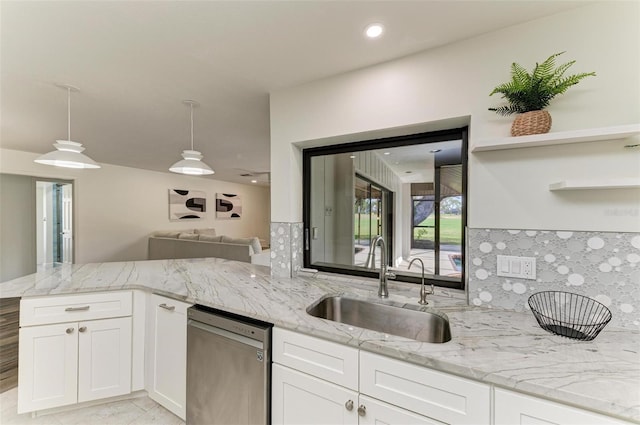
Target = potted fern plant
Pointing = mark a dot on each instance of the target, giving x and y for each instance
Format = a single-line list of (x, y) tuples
[(529, 93)]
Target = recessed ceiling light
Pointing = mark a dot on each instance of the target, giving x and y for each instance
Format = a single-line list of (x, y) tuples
[(374, 30), (254, 181), (352, 156), (387, 153), (435, 150)]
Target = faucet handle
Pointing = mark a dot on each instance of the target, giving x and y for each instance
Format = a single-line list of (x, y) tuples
[(424, 292), (390, 275)]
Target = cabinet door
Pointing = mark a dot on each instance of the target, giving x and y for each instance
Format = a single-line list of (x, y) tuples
[(168, 354), (373, 412), (518, 409), (298, 398), (48, 362), (104, 359)]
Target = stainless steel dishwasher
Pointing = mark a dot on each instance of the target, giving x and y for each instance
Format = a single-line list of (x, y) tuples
[(228, 368)]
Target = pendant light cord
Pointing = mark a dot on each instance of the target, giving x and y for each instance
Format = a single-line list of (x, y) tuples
[(191, 125), (68, 113)]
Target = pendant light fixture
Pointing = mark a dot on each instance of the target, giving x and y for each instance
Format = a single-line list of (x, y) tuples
[(68, 154), (191, 163)]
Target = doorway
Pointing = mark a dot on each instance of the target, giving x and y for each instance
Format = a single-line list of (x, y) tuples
[(54, 223)]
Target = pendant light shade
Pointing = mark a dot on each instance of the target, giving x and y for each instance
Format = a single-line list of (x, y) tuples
[(68, 154), (191, 164)]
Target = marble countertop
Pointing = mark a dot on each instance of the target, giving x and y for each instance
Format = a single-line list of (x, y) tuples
[(504, 348)]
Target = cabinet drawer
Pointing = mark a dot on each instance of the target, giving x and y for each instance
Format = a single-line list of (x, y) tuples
[(73, 308), (519, 409), (323, 359), (438, 395)]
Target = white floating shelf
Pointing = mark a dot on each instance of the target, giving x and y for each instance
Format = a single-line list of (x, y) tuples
[(596, 184), (559, 138)]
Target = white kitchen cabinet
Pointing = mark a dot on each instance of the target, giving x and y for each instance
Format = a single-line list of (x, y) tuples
[(435, 394), (298, 398), (167, 353), (47, 366), (84, 355), (317, 382), (67, 363), (519, 409), (104, 358)]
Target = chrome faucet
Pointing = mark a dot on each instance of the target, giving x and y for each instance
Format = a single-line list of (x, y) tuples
[(423, 290), (383, 292)]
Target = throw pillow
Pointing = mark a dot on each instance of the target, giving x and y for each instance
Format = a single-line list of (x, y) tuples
[(188, 236), (208, 238), (210, 231), (255, 245), (166, 234)]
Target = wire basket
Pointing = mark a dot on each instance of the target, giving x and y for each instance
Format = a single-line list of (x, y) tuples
[(571, 315)]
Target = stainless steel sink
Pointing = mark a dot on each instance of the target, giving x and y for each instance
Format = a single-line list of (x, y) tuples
[(420, 325)]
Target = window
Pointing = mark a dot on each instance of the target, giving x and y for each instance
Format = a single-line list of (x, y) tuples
[(410, 190)]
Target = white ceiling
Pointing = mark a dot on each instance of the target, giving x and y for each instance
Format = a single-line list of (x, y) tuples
[(135, 62), (415, 163)]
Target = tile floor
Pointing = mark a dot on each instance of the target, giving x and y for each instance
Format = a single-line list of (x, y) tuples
[(135, 411)]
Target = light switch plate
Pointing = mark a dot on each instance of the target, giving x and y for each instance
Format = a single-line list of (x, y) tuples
[(520, 267)]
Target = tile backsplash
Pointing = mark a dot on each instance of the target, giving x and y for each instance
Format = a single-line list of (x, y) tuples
[(601, 265), (286, 248)]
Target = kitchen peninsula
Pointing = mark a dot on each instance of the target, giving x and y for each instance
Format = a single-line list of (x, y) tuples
[(505, 349)]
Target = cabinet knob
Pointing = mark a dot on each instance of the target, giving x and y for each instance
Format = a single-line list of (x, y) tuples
[(69, 330), (82, 328), (362, 410), (349, 405)]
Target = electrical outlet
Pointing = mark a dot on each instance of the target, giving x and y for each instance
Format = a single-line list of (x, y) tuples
[(528, 267), (520, 267)]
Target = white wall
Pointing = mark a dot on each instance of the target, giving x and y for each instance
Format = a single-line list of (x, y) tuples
[(506, 189), (116, 208), (17, 227)]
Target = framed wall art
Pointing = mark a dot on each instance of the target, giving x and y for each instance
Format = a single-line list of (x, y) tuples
[(187, 204), (228, 206)]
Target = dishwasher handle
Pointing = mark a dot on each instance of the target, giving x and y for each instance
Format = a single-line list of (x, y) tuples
[(226, 334)]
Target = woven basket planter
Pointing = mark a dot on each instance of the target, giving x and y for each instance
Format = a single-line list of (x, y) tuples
[(533, 122)]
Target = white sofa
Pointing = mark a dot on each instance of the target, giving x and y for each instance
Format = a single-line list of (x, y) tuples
[(204, 243)]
